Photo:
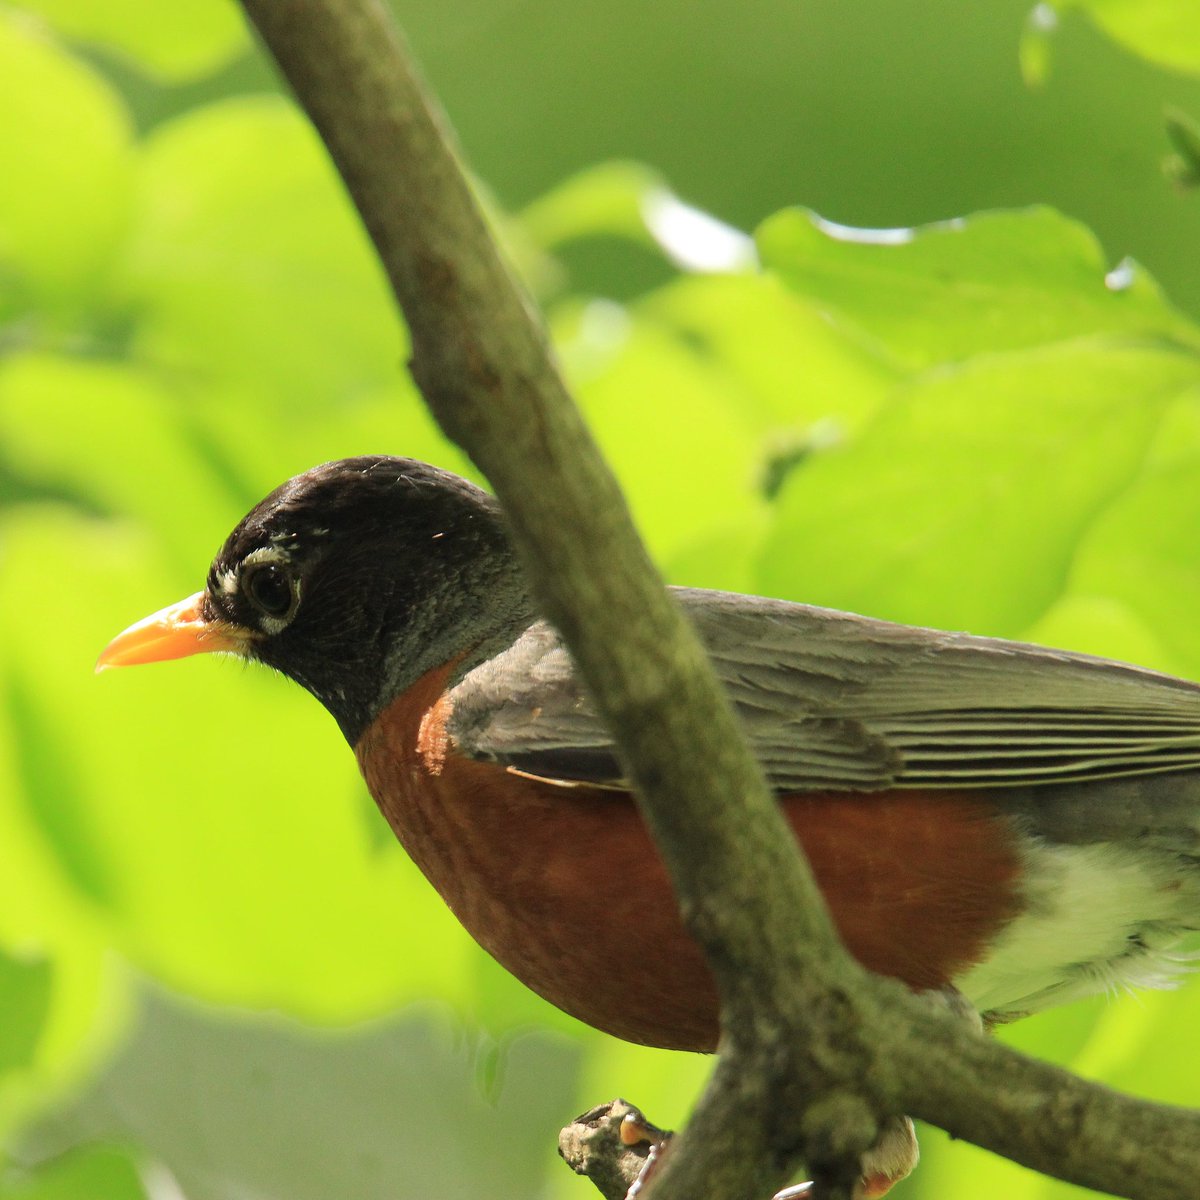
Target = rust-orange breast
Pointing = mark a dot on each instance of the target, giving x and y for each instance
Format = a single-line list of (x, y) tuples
[(563, 886)]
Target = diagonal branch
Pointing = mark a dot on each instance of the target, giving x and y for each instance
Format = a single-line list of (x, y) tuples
[(814, 1051)]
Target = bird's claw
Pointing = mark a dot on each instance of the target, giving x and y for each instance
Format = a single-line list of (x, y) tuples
[(634, 1131), (888, 1161)]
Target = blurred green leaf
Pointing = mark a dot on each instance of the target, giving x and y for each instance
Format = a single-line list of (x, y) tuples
[(998, 281), (1165, 31), (113, 435), (1142, 553), (1103, 626), (176, 42), (608, 198), (84, 1173), (66, 138), (261, 442), (1183, 166), (721, 359), (51, 789), (710, 474), (248, 266), (25, 1002), (724, 558), (781, 362), (60, 999), (970, 480)]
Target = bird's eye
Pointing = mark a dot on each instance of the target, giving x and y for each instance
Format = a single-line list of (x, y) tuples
[(271, 589)]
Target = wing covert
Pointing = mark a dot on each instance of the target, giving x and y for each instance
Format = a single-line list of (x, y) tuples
[(834, 701)]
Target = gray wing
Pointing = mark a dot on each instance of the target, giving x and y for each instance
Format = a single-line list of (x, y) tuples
[(835, 701)]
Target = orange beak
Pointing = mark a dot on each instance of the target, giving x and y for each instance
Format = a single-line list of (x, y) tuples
[(173, 632)]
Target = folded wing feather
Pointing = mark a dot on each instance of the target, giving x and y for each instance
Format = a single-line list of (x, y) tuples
[(835, 701)]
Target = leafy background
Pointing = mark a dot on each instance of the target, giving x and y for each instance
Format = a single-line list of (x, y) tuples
[(219, 978)]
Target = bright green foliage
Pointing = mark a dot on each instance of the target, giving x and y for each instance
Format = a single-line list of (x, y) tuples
[(26, 990), (225, 258), (65, 135), (1161, 30), (1002, 462), (176, 41), (94, 1172), (1007, 281), (975, 424)]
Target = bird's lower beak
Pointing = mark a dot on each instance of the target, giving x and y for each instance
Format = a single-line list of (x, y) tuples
[(173, 632)]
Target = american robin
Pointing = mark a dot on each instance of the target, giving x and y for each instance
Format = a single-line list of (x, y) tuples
[(1014, 823)]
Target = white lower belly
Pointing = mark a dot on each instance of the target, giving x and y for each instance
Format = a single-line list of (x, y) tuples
[(1097, 918)]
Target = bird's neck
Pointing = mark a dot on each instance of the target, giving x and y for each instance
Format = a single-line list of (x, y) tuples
[(475, 611)]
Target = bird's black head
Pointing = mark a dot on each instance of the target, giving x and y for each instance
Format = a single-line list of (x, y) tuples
[(358, 577)]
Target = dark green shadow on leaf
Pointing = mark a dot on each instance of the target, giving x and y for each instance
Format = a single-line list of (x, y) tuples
[(53, 793), (24, 1007)]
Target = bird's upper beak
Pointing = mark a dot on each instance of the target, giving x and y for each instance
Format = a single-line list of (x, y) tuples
[(173, 632)]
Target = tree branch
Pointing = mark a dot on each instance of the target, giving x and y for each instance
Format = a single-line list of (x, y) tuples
[(814, 1051), (595, 1144)]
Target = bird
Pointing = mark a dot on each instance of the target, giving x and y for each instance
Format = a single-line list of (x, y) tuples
[(1004, 823)]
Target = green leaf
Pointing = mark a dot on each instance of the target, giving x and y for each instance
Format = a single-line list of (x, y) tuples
[(249, 267), (962, 505), (608, 198), (84, 1173), (711, 367), (176, 42), (53, 793), (943, 293), (784, 365), (65, 146), (1183, 166), (111, 436), (60, 1002), (1102, 625), (1142, 553), (25, 1003), (1164, 31), (262, 441), (724, 557), (650, 390)]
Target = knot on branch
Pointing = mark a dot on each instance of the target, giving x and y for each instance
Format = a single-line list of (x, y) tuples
[(610, 1144)]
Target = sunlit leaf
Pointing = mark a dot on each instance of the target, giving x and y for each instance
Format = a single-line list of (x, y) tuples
[(128, 448), (648, 391), (1164, 31), (176, 42), (65, 146), (1142, 552), (262, 444), (606, 199), (782, 362), (971, 481), (996, 281), (249, 267)]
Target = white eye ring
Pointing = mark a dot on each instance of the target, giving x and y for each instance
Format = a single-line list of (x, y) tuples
[(271, 587)]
